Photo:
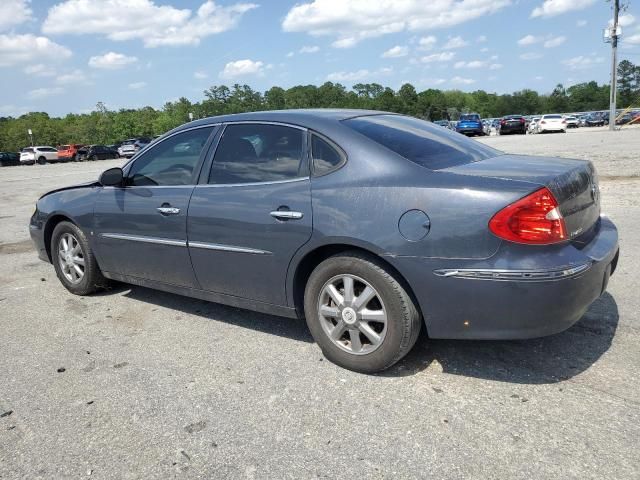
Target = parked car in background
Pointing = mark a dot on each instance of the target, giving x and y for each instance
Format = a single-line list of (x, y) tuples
[(551, 123), (39, 154), (67, 153), (624, 119), (467, 240), (572, 122), (9, 159), (442, 123), (512, 124), (582, 120), (533, 124), (594, 120), (470, 124), (132, 146), (96, 152)]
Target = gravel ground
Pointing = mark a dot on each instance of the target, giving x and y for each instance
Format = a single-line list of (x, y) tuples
[(134, 383)]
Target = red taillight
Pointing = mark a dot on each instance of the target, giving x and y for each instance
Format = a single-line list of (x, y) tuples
[(543, 122), (534, 219), (522, 120)]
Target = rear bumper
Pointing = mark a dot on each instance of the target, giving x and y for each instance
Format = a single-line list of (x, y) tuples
[(517, 293)]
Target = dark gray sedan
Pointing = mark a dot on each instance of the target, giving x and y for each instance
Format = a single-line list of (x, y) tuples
[(367, 224)]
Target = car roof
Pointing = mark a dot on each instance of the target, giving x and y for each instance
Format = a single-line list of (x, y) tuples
[(304, 117)]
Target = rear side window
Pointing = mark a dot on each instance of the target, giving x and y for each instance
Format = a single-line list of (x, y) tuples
[(326, 157), (252, 153), (421, 142)]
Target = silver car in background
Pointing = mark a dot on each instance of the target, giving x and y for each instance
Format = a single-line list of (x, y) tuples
[(132, 146)]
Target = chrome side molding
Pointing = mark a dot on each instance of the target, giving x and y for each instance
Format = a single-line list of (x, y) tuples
[(514, 275), (143, 239), (228, 248)]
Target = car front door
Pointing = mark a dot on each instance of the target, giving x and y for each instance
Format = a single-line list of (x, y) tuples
[(252, 212), (140, 228)]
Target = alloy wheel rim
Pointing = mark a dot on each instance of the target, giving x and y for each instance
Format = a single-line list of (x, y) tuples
[(352, 314), (71, 258)]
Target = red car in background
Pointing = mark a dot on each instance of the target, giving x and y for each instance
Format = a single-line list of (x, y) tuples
[(68, 152)]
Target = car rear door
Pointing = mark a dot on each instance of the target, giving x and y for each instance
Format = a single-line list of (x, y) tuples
[(251, 211), (140, 227)]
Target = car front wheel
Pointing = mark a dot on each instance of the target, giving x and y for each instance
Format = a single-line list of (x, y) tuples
[(359, 314), (73, 260)]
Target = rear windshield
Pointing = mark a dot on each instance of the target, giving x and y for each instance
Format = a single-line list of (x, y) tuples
[(421, 142), (473, 118), (553, 116)]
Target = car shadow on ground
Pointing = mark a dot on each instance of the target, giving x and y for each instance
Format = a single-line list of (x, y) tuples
[(538, 361)]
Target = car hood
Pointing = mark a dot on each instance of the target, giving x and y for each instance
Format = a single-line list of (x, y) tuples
[(72, 187)]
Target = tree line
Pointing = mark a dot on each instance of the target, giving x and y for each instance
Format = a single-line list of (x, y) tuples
[(104, 126)]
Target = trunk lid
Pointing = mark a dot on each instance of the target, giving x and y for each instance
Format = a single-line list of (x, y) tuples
[(574, 183)]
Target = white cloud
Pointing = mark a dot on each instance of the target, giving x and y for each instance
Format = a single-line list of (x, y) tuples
[(555, 41), (538, 78), (355, 20), (462, 81), (39, 70), (155, 25), (481, 39), (241, 68), (39, 93), (472, 64), (551, 8), (427, 43), (495, 66), (395, 52), (582, 62), (111, 61), (14, 12), (137, 85), (581, 23), (531, 56), (455, 42), (434, 81), (309, 49), (633, 39), (15, 49), (290, 54), (529, 40), (357, 75), (77, 77), (624, 20), (438, 57), (200, 75)]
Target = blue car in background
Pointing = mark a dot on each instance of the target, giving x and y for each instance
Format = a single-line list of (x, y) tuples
[(470, 124)]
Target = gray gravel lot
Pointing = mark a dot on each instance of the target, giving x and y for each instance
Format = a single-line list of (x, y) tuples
[(160, 386)]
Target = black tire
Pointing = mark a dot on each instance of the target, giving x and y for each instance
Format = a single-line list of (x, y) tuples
[(42, 160), (403, 319), (92, 279)]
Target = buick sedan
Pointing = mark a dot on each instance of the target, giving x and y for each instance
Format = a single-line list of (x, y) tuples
[(370, 225)]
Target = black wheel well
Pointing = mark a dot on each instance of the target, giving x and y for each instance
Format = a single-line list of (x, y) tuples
[(312, 259), (48, 231)]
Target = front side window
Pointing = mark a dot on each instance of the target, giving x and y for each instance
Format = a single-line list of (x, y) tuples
[(171, 162), (252, 153), (325, 157)]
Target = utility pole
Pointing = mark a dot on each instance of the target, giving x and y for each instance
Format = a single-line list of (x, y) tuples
[(614, 66)]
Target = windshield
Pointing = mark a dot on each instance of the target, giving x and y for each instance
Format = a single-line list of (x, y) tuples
[(470, 117), (421, 142)]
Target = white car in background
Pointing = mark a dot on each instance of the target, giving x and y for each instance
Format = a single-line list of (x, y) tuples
[(533, 123), (572, 122), (40, 154), (551, 123)]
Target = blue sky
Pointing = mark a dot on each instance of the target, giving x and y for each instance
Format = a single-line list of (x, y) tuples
[(65, 56)]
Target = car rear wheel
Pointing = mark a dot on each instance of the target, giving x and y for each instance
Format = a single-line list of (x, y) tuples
[(359, 314), (73, 260), (42, 160)]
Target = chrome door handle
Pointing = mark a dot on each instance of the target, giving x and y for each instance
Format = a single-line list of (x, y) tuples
[(168, 210), (286, 215)]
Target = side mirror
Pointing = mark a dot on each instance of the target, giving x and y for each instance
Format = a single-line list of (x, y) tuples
[(112, 177)]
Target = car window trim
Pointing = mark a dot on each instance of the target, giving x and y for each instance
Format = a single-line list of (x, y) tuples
[(197, 168), (344, 158), (205, 172)]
